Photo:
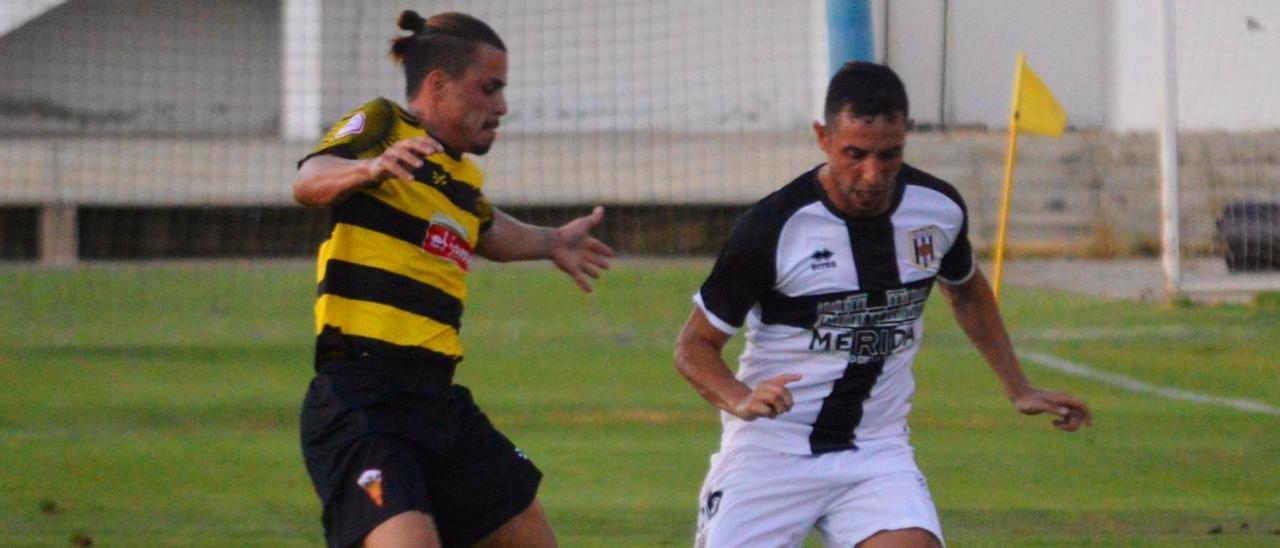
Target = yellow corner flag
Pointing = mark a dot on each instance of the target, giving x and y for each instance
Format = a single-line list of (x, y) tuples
[(1035, 110)]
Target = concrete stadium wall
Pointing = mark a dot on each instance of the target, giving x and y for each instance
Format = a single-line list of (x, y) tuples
[(200, 68), (957, 58), (1086, 194), (588, 66), (143, 67), (166, 103)]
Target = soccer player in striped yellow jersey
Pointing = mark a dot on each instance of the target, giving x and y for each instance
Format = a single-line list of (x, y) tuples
[(398, 454)]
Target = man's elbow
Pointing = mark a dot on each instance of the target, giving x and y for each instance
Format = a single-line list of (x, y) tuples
[(305, 196), (301, 197)]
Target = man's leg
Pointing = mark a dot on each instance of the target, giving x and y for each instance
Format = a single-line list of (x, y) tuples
[(404, 530), (901, 538), (885, 509), (529, 529)]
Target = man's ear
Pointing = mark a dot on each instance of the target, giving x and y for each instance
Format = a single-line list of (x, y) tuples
[(435, 82), (820, 131)]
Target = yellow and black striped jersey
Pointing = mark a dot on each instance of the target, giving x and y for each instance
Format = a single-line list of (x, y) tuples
[(392, 274)]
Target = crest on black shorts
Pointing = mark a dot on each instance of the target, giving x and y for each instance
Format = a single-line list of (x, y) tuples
[(371, 481)]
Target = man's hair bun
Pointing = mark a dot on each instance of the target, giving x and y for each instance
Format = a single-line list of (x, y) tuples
[(410, 20)]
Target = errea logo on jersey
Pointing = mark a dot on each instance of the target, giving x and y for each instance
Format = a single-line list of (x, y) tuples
[(447, 239), (822, 259)]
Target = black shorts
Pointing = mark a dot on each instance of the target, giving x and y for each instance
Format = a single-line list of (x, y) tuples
[(383, 438)]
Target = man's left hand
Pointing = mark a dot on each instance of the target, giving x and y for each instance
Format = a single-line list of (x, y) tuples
[(574, 251)]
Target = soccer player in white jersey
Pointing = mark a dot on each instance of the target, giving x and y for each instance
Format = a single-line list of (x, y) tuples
[(830, 274)]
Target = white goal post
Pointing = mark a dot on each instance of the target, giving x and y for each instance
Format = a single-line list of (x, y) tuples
[(1220, 146)]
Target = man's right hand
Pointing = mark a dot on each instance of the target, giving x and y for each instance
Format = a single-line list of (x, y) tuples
[(399, 161), (1072, 413), (770, 398), (325, 179)]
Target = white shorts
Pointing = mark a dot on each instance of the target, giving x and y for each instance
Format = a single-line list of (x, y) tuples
[(755, 497)]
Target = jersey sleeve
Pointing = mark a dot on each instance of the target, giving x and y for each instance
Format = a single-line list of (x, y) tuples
[(743, 273), (958, 265), (484, 212), (362, 133)]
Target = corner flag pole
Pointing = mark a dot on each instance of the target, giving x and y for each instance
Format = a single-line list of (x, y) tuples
[(1034, 110), (1003, 223)]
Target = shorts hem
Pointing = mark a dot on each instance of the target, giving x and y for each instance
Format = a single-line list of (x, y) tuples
[(511, 511), (354, 540), (933, 529)]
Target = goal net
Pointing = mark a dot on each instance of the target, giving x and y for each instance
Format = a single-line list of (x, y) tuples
[(1225, 82), (170, 128)]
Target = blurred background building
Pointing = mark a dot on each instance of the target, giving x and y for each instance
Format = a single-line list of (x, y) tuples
[(163, 128)]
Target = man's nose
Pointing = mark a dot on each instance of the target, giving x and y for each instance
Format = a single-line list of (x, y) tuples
[(875, 170), (501, 107)]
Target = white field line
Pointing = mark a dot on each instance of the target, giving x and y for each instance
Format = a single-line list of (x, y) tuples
[(1134, 385), (1098, 333)]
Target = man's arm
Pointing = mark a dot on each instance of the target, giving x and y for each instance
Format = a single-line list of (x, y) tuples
[(571, 246), (325, 179), (976, 311), (698, 359)]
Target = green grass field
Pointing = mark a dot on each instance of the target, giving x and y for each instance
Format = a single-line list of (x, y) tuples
[(157, 405)]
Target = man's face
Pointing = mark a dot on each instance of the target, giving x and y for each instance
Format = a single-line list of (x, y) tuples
[(464, 111), (863, 159)]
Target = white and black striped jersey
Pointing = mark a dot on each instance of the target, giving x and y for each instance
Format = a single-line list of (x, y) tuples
[(838, 300)]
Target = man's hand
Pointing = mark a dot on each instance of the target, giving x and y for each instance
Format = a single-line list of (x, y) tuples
[(326, 179), (399, 161), (770, 398), (1071, 412), (574, 251)]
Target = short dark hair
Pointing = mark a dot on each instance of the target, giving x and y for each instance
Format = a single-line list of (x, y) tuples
[(865, 90), (445, 41)]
